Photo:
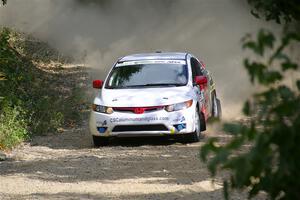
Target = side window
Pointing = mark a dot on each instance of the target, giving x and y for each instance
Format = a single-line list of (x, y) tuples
[(196, 68), (193, 68)]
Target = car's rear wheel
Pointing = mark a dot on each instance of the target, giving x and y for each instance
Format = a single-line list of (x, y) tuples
[(216, 109), (219, 108), (100, 141)]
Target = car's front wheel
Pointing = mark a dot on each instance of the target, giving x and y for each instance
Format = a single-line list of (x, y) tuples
[(196, 135), (100, 141)]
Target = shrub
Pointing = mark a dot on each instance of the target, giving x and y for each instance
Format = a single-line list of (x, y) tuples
[(270, 163), (13, 126), (31, 93)]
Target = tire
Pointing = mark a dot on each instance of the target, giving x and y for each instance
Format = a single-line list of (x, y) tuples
[(100, 141), (219, 108), (216, 110), (202, 122)]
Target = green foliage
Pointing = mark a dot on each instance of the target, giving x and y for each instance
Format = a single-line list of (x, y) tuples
[(13, 114), (265, 39), (26, 89), (13, 126), (277, 10), (271, 163), (264, 152)]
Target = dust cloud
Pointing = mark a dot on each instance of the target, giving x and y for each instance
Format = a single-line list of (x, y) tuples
[(99, 32)]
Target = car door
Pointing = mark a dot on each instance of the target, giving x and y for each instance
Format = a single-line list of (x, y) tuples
[(201, 92), (208, 90)]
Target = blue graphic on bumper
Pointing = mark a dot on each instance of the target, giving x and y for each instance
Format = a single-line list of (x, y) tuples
[(180, 127), (101, 129)]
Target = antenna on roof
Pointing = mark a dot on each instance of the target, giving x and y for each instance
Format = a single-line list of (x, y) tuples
[(158, 51)]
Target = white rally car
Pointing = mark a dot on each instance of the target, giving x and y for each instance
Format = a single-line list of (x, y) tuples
[(154, 94)]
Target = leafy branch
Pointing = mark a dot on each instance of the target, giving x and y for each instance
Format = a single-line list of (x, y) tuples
[(270, 164)]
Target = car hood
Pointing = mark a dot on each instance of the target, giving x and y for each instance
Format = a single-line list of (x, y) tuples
[(144, 96)]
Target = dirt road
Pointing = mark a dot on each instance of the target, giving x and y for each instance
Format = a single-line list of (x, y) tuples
[(66, 166)]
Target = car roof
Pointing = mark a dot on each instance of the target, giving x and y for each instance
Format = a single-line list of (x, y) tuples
[(154, 56)]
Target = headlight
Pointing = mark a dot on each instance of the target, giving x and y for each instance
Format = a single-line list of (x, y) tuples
[(102, 109), (179, 106)]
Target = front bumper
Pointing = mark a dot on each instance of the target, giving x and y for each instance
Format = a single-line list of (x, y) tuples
[(126, 124)]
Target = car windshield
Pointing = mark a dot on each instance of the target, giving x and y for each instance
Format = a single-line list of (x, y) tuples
[(148, 75)]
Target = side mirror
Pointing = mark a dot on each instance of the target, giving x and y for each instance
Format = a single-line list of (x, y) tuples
[(97, 84), (201, 80)]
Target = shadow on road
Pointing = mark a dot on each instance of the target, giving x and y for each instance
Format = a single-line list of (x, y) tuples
[(187, 194), (79, 138), (140, 141)]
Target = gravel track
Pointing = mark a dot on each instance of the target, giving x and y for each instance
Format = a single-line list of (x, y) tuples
[(66, 166)]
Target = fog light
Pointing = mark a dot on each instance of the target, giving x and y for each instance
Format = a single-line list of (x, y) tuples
[(102, 129), (180, 127)]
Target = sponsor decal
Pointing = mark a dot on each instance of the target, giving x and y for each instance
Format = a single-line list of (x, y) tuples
[(179, 119), (143, 62), (180, 127), (138, 119), (102, 129), (99, 123), (182, 119)]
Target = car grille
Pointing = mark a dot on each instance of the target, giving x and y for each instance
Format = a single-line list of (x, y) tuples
[(141, 109), (128, 128)]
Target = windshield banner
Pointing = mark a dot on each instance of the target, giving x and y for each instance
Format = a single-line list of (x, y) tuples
[(144, 62)]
